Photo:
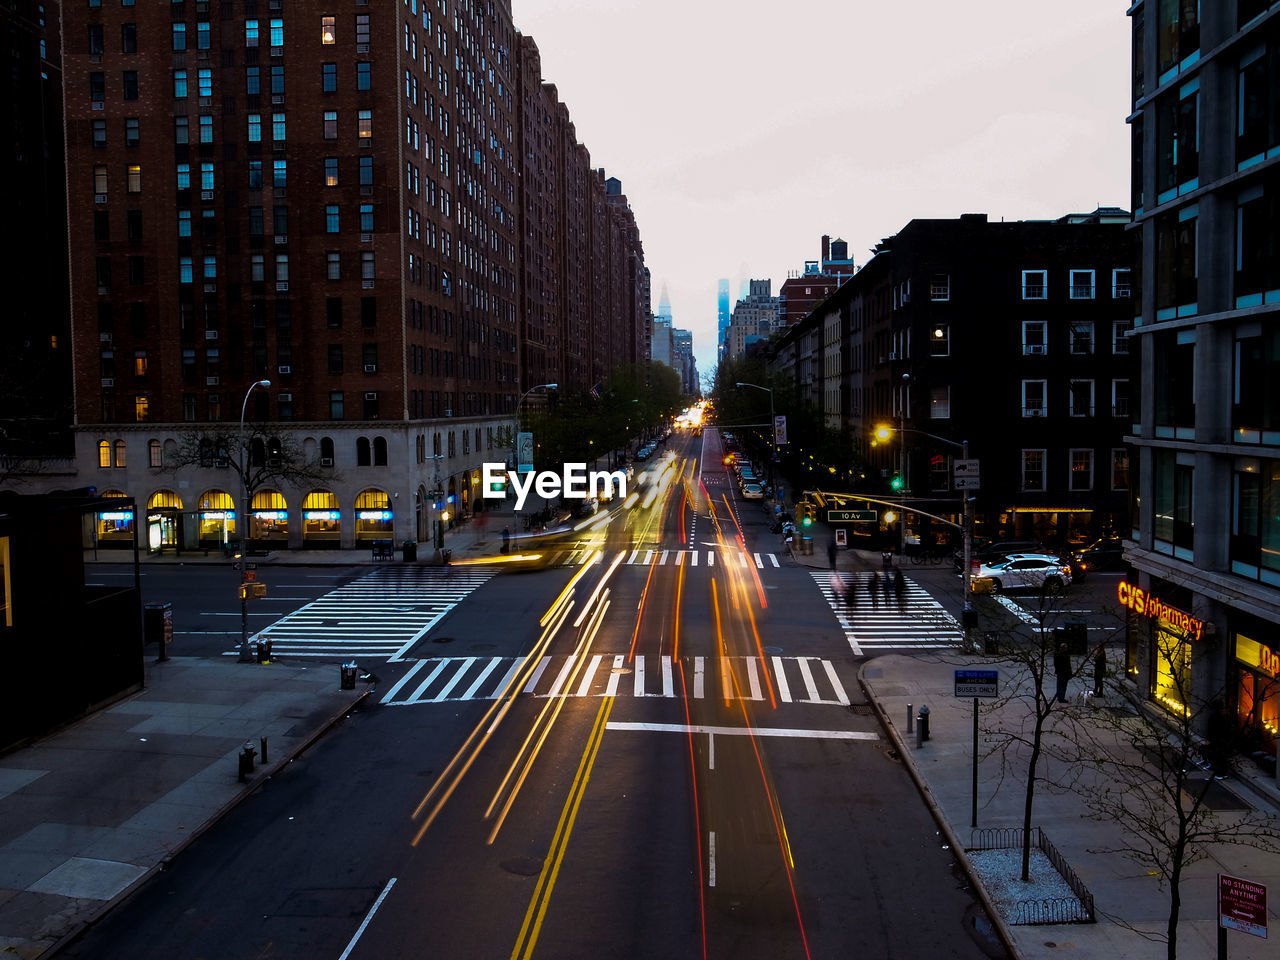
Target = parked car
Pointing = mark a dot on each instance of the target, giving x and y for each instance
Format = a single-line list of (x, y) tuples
[(1039, 571), (996, 552), (752, 491), (1104, 554)]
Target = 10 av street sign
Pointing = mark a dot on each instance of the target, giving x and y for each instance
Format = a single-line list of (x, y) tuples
[(851, 516)]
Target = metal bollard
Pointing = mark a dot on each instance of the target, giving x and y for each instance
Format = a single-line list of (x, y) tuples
[(246, 761), (263, 741), (922, 725), (911, 719)]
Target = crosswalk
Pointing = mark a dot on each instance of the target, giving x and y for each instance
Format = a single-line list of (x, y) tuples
[(784, 679), (382, 614), (643, 557), (881, 622)]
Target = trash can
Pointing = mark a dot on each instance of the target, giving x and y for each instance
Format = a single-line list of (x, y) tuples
[(349, 675), (410, 548), (154, 616)]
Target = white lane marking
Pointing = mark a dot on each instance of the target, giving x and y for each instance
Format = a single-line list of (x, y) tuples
[(807, 675), (391, 694), (422, 687), (662, 560), (759, 562), (648, 558), (563, 675), (507, 678), (1014, 608), (693, 558), (614, 676), (368, 917), (668, 681), (537, 674), (589, 674), (632, 558), (457, 678), (711, 558), (775, 560), (711, 751), (471, 690), (753, 678), (711, 859), (399, 655), (835, 683), (699, 677), (639, 677), (791, 732), (679, 558), (784, 689)]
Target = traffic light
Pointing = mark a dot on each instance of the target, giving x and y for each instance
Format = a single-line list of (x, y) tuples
[(808, 516), (896, 483)]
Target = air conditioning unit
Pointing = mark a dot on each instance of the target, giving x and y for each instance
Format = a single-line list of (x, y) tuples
[(104, 337), (366, 238), (282, 285), (211, 334), (367, 284), (281, 239), (99, 198), (286, 398), (1035, 348), (210, 288), (206, 194), (1035, 412), (370, 368), (212, 381), (108, 381), (326, 461), (277, 98), (448, 413), (285, 370), (371, 395)]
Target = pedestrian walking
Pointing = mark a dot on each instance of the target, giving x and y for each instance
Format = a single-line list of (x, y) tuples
[(831, 552), (1062, 670), (900, 588), (1099, 669), (886, 559), (506, 539), (873, 585)]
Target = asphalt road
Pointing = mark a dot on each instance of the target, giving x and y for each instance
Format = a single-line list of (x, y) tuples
[(692, 773)]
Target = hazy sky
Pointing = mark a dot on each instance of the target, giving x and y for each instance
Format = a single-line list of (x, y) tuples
[(743, 130)]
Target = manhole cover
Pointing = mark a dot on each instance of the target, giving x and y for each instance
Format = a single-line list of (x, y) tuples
[(620, 670), (523, 866), (442, 639)]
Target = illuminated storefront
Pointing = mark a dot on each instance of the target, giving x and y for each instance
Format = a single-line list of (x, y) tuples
[(113, 529), (217, 518), (269, 518), (1257, 660), (164, 510), (321, 520), (1172, 633), (373, 516)]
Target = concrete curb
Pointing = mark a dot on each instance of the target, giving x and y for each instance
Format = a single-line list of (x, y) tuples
[(1006, 937), (129, 892)]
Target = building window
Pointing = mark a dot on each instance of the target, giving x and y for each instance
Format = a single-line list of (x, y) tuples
[(335, 358), (1255, 400), (279, 174), (366, 218), (367, 265), (99, 133), (1035, 284), (335, 405), (1175, 376), (277, 127), (129, 85), (1080, 394), (1033, 470), (253, 81), (180, 84), (1255, 523), (1120, 336), (1258, 115), (104, 453), (282, 267), (333, 265), (363, 457), (251, 33), (277, 33), (364, 124), (330, 171), (333, 312), (1120, 398), (179, 36), (1034, 399), (371, 406), (939, 340), (1173, 502), (202, 36), (257, 268), (1177, 32), (133, 178), (329, 77), (132, 136), (96, 43), (1082, 337), (1177, 271), (204, 83), (362, 28), (1081, 284), (327, 35), (98, 87), (141, 408), (366, 171), (940, 403), (184, 176), (1081, 477), (364, 76), (1257, 270), (186, 272), (120, 453), (1178, 141), (1121, 287), (181, 130), (206, 176), (331, 124), (940, 287), (1119, 468), (331, 218)]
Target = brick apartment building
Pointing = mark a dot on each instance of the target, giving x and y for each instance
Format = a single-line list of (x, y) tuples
[(379, 208)]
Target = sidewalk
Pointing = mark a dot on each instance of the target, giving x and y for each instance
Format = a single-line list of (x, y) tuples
[(1122, 889), (89, 813)]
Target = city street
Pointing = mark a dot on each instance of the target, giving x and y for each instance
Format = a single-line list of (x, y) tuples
[(596, 759)]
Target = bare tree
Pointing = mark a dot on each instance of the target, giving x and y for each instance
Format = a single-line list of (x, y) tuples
[(259, 457), (1154, 776), (1030, 640)]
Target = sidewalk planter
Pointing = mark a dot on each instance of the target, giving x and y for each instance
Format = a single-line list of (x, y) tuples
[(1077, 908)]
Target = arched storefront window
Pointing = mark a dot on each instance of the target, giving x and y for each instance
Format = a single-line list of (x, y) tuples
[(120, 454), (373, 515), (269, 518), (114, 528), (217, 518), (164, 511), (155, 453), (104, 453), (321, 520)]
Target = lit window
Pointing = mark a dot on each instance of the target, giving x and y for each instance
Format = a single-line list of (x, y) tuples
[(180, 84), (331, 218), (277, 33), (120, 454), (100, 180), (206, 176), (277, 127), (255, 127), (133, 178), (104, 453), (184, 176), (331, 124), (365, 124), (141, 408), (330, 171), (204, 83), (326, 30), (179, 36), (140, 363), (251, 33), (206, 129)]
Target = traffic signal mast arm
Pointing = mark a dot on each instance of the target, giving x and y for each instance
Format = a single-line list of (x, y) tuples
[(896, 504)]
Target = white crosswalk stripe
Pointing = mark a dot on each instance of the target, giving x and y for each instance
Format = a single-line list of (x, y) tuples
[(675, 558), (786, 679), (379, 615), (880, 622)]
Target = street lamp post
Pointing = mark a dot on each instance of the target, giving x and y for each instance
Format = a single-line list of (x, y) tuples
[(244, 524), (772, 425)]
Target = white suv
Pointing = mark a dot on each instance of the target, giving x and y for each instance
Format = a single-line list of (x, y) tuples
[(1033, 570)]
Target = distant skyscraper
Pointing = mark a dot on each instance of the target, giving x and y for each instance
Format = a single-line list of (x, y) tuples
[(722, 312)]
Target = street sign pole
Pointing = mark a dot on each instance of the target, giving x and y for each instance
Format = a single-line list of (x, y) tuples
[(976, 684)]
